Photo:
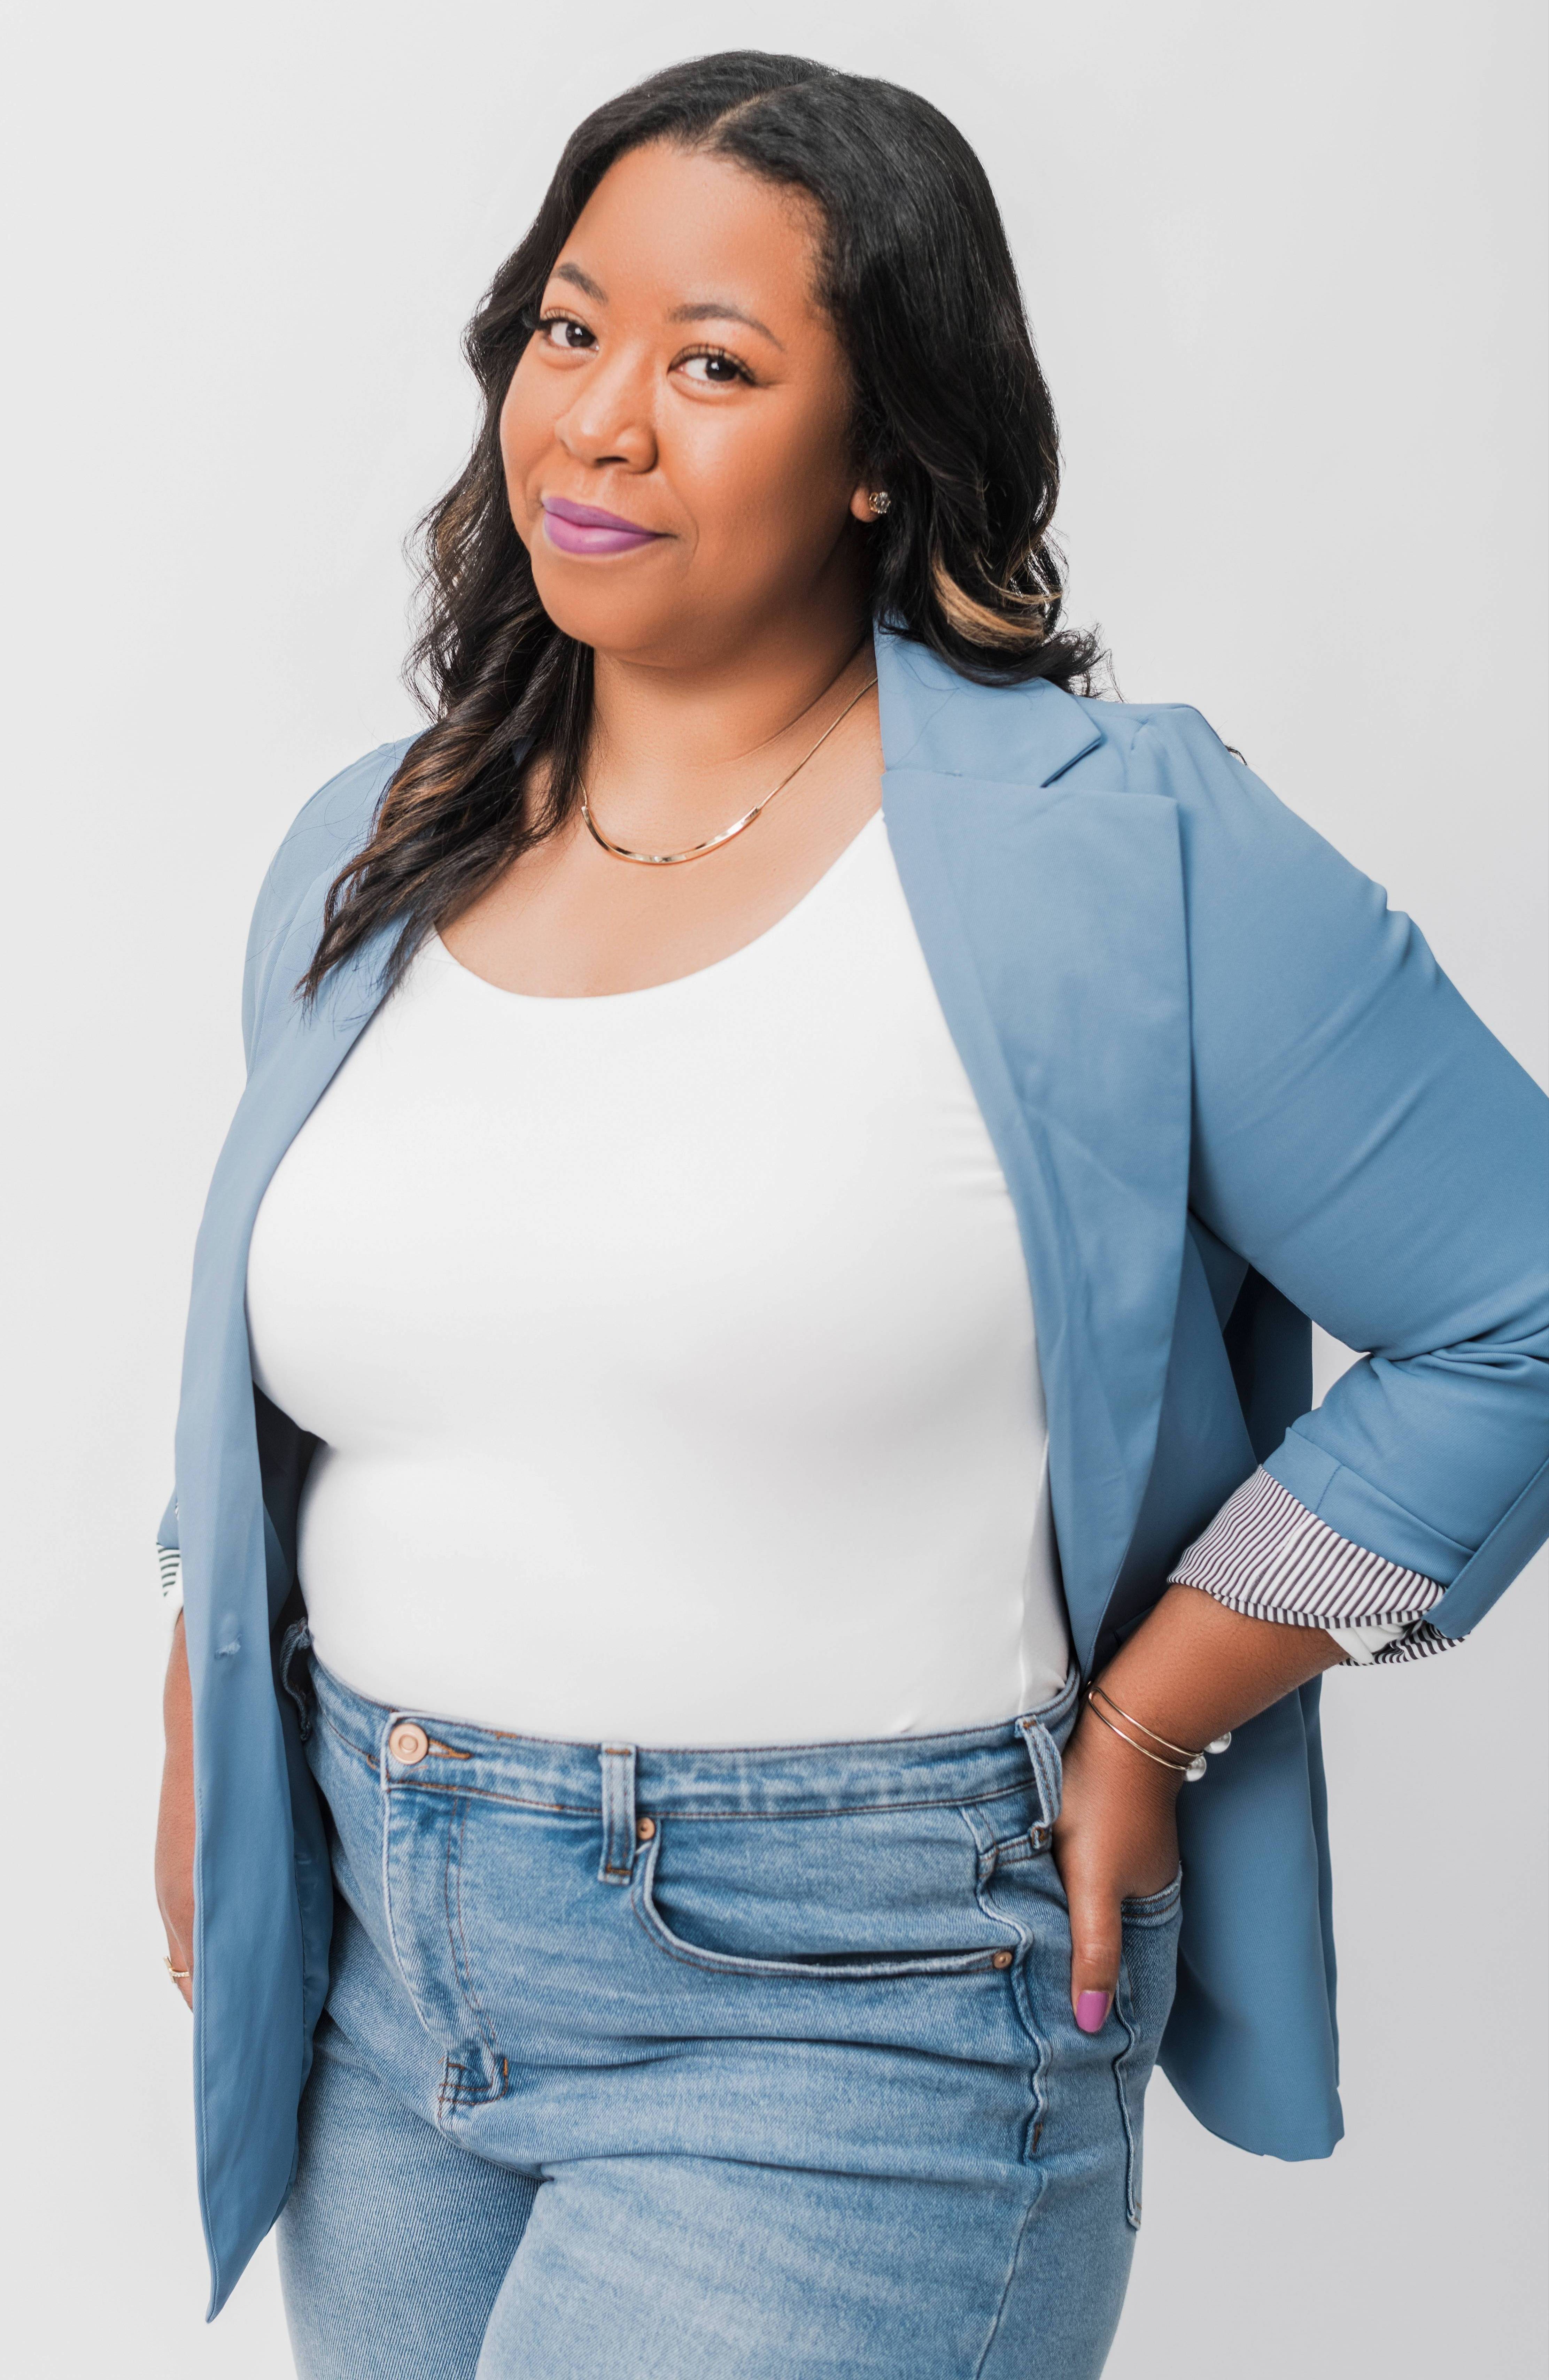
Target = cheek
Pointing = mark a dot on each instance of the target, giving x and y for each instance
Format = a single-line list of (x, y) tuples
[(767, 489), (525, 435)]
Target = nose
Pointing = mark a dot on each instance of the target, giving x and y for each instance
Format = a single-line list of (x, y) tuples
[(610, 420)]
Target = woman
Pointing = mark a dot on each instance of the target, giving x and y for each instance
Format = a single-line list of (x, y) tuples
[(737, 1455)]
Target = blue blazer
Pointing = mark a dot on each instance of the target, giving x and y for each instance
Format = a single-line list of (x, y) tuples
[(1228, 1089)]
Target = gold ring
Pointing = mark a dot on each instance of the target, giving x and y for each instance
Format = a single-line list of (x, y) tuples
[(179, 1974)]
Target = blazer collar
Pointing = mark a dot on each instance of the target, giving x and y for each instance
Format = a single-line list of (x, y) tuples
[(932, 719)]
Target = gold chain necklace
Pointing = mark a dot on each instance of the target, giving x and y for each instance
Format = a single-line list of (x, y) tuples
[(699, 850)]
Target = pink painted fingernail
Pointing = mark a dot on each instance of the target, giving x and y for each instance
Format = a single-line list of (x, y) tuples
[(1092, 2011)]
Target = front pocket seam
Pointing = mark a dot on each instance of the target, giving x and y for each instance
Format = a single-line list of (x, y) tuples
[(733, 1962), (1017, 1977), (1120, 2076), (1156, 1910)]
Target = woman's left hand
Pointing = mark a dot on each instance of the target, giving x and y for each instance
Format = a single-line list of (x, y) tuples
[(1116, 1838), (1191, 1670)]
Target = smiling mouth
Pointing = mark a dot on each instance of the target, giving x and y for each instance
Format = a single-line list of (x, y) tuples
[(583, 529)]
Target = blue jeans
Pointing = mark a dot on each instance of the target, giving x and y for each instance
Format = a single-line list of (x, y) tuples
[(747, 2065)]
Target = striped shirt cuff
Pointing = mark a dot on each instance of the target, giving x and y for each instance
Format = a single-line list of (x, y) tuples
[(1267, 1556), (169, 1562)]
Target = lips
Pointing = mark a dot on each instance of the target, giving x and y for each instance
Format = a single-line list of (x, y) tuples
[(585, 528)]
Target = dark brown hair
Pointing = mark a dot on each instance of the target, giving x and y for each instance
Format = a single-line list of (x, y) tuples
[(952, 417)]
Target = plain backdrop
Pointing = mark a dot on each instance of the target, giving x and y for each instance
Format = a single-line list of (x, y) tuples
[(1285, 265)]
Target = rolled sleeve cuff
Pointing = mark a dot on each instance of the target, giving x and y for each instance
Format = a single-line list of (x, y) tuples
[(1265, 1554), (169, 1563)]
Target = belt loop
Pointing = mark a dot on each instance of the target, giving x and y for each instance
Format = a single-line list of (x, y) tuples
[(1047, 1769), (618, 1814)]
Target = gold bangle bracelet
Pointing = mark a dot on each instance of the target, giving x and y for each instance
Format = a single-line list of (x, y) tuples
[(1177, 1767), (1182, 1749), (1196, 1760)]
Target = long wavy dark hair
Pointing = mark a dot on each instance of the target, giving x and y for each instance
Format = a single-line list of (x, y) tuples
[(952, 417)]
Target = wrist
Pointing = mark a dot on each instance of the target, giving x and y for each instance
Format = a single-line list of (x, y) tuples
[(1113, 1758), (1166, 1743)]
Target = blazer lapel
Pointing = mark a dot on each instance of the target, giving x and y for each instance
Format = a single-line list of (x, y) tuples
[(1051, 914)]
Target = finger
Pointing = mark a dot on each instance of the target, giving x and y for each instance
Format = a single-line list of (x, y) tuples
[(1096, 1935)]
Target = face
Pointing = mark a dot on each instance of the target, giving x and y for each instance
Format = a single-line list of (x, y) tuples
[(676, 436)]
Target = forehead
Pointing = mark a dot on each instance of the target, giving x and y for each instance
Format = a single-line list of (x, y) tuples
[(667, 225)]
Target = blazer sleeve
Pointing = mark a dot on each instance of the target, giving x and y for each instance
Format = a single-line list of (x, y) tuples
[(1371, 1149)]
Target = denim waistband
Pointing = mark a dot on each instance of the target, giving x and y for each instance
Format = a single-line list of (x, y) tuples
[(891, 1772)]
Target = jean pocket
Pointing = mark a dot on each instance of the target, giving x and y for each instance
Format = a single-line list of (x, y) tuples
[(1147, 1975), (708, 1911)]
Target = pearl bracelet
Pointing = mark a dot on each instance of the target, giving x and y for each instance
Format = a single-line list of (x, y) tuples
[(1190, 1765)]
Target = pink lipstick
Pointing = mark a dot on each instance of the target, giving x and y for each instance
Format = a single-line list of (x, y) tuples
[(583, 529)]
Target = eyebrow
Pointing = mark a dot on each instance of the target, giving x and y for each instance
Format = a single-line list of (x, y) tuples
[(715, 310), (707, 310), (583, 281)]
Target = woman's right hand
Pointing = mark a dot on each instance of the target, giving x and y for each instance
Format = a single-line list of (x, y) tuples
[(175, 1822)]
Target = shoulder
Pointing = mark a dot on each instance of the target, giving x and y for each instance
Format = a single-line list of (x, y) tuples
[(1170, 751), (1076, 745), (1240, 845), (321, 837), (1237, 845), (1039, 735), (1146, 732), (1166, 748), (327, 829)]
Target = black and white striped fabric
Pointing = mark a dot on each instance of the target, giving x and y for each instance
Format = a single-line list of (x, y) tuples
[(1267, 1555), (169, 1563)]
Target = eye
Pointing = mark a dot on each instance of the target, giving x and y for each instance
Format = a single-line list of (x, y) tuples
[(565, 333), (713, 367)]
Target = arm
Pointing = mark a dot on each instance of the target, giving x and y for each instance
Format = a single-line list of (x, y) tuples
[(1363, 1142), (1375, 1153)]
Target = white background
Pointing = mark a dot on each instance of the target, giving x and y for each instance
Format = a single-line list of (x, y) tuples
[(1285, 265)]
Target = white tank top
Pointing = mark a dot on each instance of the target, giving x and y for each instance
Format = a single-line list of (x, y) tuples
[(672, 1353)]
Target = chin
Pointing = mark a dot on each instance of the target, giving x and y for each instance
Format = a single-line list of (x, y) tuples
[(602, 616)]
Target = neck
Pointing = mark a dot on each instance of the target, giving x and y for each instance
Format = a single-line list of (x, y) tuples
[(666, 734)]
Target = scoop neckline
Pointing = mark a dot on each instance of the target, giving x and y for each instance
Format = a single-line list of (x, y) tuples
[(586, 1000)]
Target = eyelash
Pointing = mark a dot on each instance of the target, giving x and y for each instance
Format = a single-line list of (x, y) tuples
[(716, 355)]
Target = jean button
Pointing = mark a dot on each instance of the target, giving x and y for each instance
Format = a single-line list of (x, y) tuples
[(408, 1743), (1002, 1960), (644, 1829)]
